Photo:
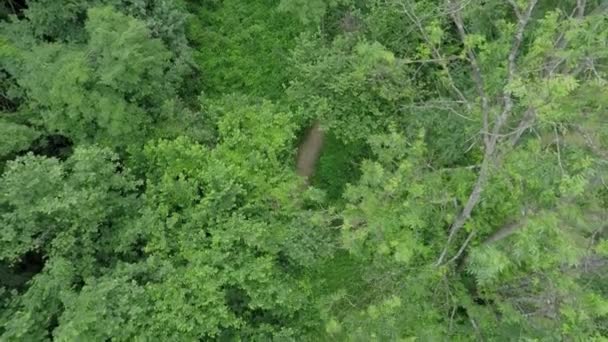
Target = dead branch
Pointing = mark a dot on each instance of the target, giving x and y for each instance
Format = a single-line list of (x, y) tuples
[(464, 246)]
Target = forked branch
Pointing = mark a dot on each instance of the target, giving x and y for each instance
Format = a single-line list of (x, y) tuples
[(492, 141)]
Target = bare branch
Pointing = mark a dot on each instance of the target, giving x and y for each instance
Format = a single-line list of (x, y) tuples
[(463, 247), (511, 66), (591, 143), (580, 8), (505, 231), (470, 205), (525, 123), (438, 105), (600, 8), (515, 9), (477, 76), (489, 155), (432, 60), (476, 328), (559, 153)]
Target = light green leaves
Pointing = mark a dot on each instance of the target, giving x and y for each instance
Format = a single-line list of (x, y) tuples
[(108, 90), (309, 12), (15, 137), (126, 57), (55, 207), (356, 88), (487, 264)]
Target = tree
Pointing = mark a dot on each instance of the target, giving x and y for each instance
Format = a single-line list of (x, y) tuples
[(243, 47), (115, 84), (528, 190), (225, 221), (461, 193), (109, 91), (353, 87), (77, 215)]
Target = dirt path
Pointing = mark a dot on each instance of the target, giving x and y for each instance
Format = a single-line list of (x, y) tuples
[(309, 151)]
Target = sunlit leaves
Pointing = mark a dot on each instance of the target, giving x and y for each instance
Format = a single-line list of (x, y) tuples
[(355, 87), (109, 90), (59, 207)]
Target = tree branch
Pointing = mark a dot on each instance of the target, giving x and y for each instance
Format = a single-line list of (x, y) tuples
[(477, 76), (489, 155), (464, 246), (580, 8), (515, 9), (525, 123), (505, 231)]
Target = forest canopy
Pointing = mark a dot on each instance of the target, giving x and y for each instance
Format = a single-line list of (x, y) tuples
[(306, 170)]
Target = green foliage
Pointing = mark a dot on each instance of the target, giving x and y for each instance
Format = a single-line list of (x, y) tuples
[(461, 192), (57, 20), (15, 138), (111, 307), (354, 87), (115, 84), (76, 213), (214, 219), (309, 12), (63, 207), (243, 47), (337, 166), (63, 20), (108, 91)]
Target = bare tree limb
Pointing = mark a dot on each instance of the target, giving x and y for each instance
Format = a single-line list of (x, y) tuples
[(515, 9), (559, 153), (463, 247), (505, 231), (601, 7), (580, 8), (437, 105), (432, 60), (477, 76), (591, 143), (476, 328), (10, 2), (511, 66), (525, 123), (489, 154)]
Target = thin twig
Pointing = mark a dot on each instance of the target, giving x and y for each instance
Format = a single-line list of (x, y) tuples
[(559, 154), (505, 231), (463, 247), (436, 54), (525, 123), (476, 328), (432, 60), (435, 105), (452, 319)]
